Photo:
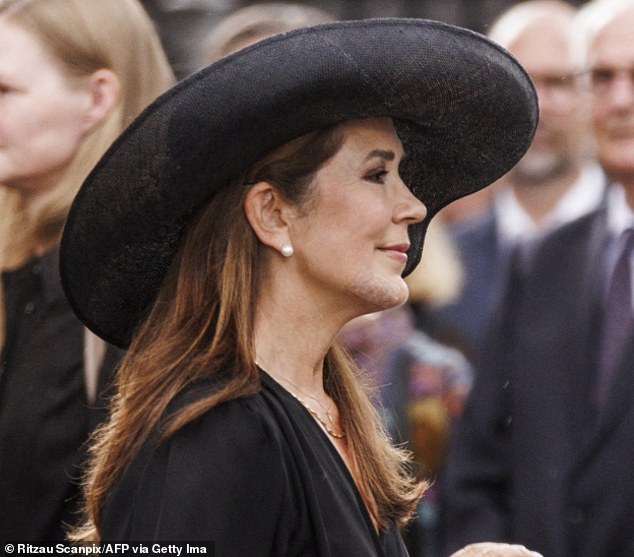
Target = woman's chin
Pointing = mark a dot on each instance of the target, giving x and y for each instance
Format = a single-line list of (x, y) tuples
[(380, 293)]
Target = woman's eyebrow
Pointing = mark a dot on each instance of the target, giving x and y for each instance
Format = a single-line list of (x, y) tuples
[(381, 153)]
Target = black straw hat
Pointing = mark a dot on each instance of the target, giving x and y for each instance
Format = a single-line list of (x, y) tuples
[(463, 107)]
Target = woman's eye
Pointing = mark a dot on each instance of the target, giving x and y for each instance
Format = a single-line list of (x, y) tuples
[(377, 176), (5, 89)]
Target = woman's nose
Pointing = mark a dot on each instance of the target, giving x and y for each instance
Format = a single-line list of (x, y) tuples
[(409, 208)]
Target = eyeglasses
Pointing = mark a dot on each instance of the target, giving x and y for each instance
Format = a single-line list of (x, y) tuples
[(603, 78), (554, 81), (557, 88)]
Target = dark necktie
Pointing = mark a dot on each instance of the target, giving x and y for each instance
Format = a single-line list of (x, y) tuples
[(618, 316)]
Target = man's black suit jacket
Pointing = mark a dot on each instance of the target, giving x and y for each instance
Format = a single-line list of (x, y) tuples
[(534, 461)]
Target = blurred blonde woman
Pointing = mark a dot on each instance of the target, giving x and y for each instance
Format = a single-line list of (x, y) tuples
[(73, 74)]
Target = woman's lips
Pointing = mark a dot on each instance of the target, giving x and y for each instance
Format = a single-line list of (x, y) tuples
[(397, 252)]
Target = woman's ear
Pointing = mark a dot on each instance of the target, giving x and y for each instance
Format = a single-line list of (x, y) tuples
[(104, 89), (267, 213)]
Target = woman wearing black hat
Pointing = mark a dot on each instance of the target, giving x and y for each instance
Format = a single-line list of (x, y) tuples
[(226, 238)]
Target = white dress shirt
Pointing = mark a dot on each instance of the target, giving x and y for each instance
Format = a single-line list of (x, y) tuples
[(516, 226)]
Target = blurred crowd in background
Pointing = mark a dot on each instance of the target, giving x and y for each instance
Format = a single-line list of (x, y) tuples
[(182, 23)]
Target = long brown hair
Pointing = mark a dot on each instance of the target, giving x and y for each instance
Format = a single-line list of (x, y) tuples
[(200, 326)]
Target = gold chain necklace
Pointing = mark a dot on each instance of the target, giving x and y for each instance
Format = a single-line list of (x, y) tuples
[(327, 427), (315, 414)]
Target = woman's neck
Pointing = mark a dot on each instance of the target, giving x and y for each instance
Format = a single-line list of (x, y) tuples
[(291, 349), (294, 329)]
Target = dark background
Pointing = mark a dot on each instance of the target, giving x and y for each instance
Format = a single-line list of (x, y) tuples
[(182, 23)]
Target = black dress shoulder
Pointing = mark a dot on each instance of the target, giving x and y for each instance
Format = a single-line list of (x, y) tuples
[(45, 417), (255, 475)]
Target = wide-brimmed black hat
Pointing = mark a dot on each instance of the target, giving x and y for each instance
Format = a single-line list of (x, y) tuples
[(463, 108)]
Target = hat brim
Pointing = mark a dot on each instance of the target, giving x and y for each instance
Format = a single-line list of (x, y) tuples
[(463, 108)]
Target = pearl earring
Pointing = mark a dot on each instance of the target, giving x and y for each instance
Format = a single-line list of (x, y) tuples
[(286, 250)]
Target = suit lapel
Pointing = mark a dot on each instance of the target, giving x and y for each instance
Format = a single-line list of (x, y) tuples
[(621, 391), (620, 394), (585, 287)]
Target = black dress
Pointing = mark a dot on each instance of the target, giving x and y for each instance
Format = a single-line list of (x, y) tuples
[(258, 477), (44, 415)]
